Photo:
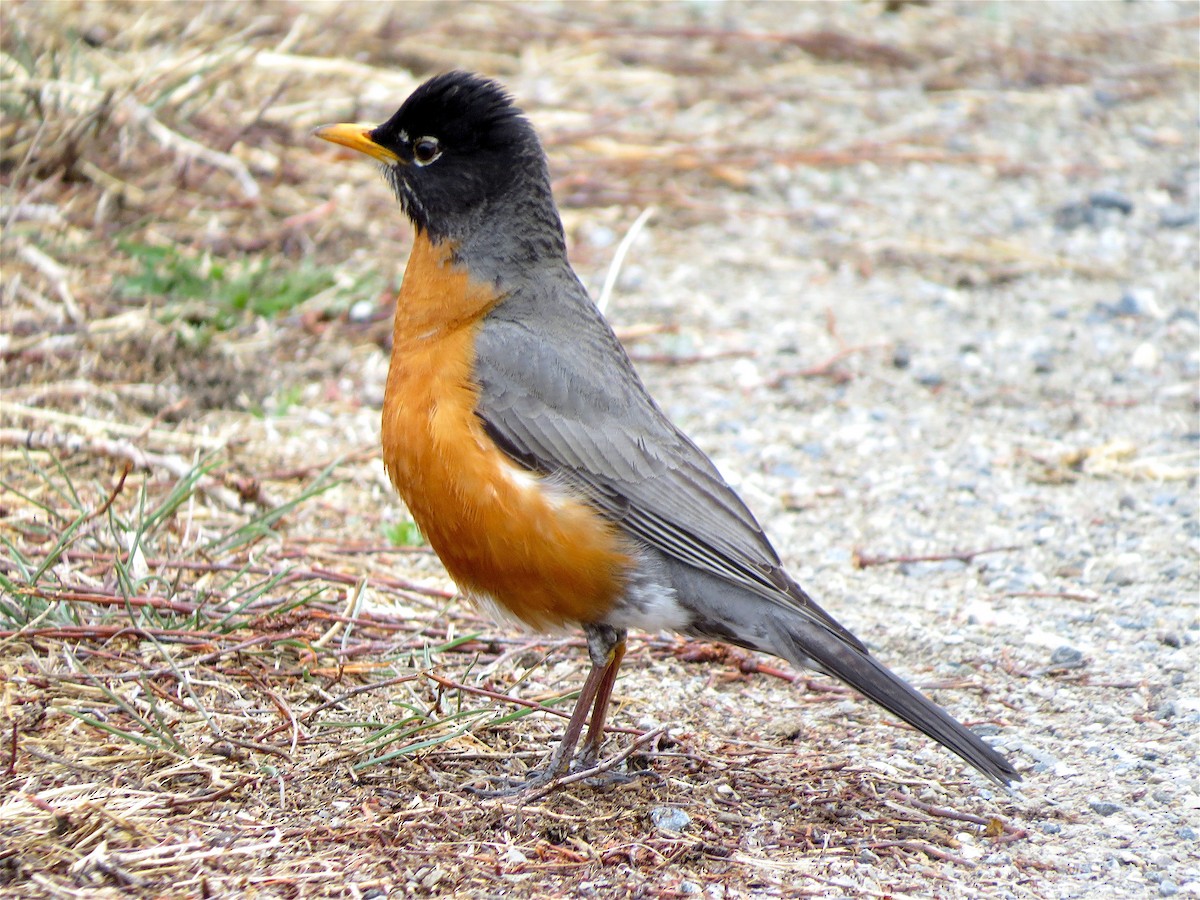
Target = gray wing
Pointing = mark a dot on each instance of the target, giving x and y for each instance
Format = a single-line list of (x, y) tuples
[(585, 417)]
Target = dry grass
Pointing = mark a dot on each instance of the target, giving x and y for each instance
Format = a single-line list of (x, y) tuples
[(221, 673)]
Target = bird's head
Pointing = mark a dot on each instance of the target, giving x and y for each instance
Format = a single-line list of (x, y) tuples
[(456, 150)]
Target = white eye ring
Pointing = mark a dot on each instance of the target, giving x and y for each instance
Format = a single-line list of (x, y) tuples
[(426, 150)]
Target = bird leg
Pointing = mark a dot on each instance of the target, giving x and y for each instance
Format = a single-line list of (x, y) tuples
[(606, 648), (595, 735)]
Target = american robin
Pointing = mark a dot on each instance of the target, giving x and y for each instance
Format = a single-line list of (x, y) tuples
[(546, 478)]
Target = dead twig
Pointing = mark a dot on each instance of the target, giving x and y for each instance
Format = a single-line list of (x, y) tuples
[(826, 369), (863, 561)]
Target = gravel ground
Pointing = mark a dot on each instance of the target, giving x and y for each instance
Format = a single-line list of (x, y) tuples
[(1023, 381)]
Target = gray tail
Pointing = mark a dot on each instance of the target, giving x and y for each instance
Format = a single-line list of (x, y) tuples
[(806, 643)]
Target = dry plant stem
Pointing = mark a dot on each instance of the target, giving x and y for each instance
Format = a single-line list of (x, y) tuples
[(56, 274), (342, 698), (93, 426), (347, 617), (517, 701), (117, 488), (918, 847), (190, 149), (944, 813), (614, 269), (665, 359), (164, 604), (109, 632), (826, 369), (290, 575), (863, 561), (1055, 595), (142, 459)]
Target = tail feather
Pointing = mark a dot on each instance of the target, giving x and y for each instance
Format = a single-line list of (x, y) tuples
[(806, 644), (794, 627)]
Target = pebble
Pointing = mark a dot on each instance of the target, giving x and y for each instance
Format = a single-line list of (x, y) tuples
[(1072, 215), (1122, 576), (1105, 807), (1145, 357), (1066, 656), (1177, 217), (1130, 304), (1168, 888), (361, 311), (668, 818), (1105, 199)]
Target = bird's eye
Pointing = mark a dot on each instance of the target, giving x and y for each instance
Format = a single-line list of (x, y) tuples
[(426, 150)]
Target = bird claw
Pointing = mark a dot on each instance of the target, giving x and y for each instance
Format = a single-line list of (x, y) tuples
[(513, 787), (585, 771)]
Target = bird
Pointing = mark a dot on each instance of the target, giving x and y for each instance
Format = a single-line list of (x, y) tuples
[(551, 485)]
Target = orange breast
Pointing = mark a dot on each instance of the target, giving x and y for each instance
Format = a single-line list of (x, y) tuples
[(501, 532)]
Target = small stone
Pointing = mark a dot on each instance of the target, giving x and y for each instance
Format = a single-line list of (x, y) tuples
[(1070, 216), (96, 36), (515, 857), (668, 818), (1111, 200), (1187, 833), (1177, 217), (1168, 888), (1129, 305), (601, 236), (1051, 828), (1145, 357), (1066, 656), (361, 311), (1043, 362), (1121, 576), (1105, 807)]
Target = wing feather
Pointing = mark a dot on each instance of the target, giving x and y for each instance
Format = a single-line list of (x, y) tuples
[(585, 419)]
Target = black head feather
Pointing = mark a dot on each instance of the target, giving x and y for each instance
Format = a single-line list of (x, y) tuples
[(464, 152)]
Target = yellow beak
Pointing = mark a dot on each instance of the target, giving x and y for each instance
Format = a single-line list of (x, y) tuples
[(356, 137)]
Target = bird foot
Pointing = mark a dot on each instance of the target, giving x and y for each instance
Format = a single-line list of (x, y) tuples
[(513, 787), (585, 771)]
